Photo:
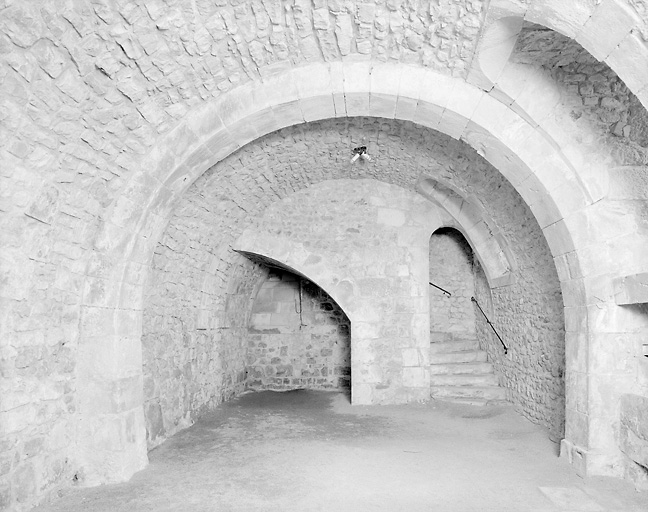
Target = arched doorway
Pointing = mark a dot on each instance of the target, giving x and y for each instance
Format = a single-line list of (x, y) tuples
[(460, 367)]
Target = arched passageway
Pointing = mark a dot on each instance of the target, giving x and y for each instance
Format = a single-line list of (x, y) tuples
[(111, 111), (454, 268)]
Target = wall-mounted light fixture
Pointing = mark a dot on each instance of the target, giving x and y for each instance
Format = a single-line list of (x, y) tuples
[(360, 152)]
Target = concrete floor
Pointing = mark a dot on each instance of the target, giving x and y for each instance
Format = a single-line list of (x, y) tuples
[(313, 451)]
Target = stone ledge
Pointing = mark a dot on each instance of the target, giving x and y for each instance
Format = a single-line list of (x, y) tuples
[(631, 289)]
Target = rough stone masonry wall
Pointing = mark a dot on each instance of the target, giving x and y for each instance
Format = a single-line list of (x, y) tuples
[(298, 337), (195, 326), (613, 118), (528, 314), (86, 88), (452, 267), (598, 99)]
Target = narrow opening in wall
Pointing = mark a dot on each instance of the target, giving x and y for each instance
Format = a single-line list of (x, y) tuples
[(452, 315), (645, 349), (459, 365), (298, 337)]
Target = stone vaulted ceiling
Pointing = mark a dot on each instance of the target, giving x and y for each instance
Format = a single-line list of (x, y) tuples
[(103, 104)]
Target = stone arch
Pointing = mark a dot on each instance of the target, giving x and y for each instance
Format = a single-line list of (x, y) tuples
[(488, 245), (381, 302), (494, 49), (124, 247), (609, 30), (304, 265)]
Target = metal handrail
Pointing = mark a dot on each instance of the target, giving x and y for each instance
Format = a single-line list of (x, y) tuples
[(489, 323), (444, 291)]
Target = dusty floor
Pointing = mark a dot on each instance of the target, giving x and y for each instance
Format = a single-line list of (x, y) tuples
[(309, 451)]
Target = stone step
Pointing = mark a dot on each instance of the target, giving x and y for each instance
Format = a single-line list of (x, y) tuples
[(469, 392), (444, 347), (473, 401), (478, 367), (464, 379), (467, 356)]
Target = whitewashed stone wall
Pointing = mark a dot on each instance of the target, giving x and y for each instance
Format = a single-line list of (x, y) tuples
[(298, 337), (529, 316), (453, 268), (193, 361)]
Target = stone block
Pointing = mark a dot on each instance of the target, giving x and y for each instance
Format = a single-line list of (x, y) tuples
[(266, 120), (628, 59), (318, 107), (339, 102), (6, 498), (568, 197), (382, 106), (207, 121), (415, 377), (576, 392), (100, 292), (406, 108), (577, 427), (497, 118), (288, 113), (453, 123), (45, 206), (25, 481), (631, 289), (610, 23), (361, 393), (281, 88), (428, 115), (364, 331), (110, 356), (242, 132), (154, 420), (410, 83), (114, 396), (565, 17), (465, 99), (576, 319), (356, 103), (222, 144), (559, 238), (385, 80), (612, 353), (436, 89), (412, 357), (312, 81)]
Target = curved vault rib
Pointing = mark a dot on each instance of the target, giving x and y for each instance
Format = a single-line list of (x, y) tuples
[(486, 241)]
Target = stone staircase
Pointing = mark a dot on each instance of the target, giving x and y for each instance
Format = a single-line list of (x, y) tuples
[(459, 372)]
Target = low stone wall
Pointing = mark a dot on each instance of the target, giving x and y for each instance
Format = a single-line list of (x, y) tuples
[(298, 337)]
